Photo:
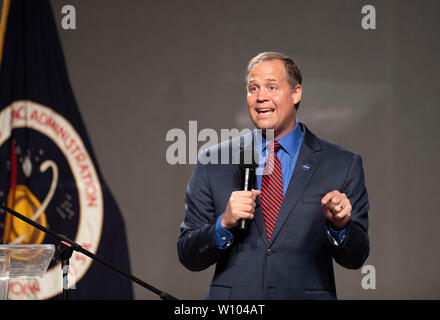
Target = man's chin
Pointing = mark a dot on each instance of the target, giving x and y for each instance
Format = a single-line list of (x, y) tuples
[(263, 125)]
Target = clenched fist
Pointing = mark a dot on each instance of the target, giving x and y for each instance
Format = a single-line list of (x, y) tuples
[(241, 205), (337, 208)]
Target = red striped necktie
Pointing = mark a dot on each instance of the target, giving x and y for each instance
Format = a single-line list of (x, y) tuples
[(271, 196)]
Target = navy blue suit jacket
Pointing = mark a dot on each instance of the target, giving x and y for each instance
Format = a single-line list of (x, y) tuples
[(297, 262)]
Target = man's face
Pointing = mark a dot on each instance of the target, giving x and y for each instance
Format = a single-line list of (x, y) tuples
[(270, 98)]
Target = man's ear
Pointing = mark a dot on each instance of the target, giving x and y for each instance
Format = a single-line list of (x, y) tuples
[(296, 94)]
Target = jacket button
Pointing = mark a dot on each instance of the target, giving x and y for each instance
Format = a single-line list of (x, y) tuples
[(269, 252)]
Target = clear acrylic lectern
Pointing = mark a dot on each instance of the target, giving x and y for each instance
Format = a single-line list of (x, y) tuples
[(26, 261)]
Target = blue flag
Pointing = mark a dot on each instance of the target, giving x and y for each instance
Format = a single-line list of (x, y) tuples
[(47, 168)]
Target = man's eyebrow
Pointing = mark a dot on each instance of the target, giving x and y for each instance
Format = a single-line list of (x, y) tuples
[(266, 80)]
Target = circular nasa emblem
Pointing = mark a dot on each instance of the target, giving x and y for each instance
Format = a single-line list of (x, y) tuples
[(53, 181)]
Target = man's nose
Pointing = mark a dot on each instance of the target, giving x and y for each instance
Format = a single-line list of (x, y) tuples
[(262, 95)]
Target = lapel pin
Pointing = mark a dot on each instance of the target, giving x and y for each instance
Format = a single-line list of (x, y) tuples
[(306, 166)]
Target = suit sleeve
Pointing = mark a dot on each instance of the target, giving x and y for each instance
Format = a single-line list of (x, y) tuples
[(196, 246), (356, 247)]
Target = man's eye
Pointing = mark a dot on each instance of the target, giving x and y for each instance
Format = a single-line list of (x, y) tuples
[(272, 87), (253, 89)]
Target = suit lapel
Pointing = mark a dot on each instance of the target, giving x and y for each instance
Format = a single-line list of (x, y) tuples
[(309, 158), (259, 222)]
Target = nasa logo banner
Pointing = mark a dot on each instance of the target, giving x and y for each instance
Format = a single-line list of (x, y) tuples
[(55, 184), (47, 168)]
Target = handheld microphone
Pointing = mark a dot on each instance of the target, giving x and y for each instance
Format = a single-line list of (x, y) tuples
[(247, 169)]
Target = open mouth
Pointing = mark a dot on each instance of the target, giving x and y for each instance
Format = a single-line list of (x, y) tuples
[(265, 110)]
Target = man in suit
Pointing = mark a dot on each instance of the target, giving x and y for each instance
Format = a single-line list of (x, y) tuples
[(308, 207)]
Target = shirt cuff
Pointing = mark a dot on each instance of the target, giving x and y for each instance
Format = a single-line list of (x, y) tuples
[(336, 237), (223, 238)]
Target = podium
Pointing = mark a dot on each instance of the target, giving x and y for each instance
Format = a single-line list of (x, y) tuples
[(26, 261), (33, 263)]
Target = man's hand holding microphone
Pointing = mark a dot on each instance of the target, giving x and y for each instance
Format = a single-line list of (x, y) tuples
[(241, 205)]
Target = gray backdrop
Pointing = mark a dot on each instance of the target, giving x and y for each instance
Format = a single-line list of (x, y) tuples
[(141, 68)]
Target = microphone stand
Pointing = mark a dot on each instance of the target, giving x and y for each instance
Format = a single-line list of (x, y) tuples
[(66, 248)]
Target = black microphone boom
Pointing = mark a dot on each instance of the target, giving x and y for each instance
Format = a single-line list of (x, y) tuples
[(76, 247)]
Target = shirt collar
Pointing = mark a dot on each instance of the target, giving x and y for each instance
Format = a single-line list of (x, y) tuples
[(290, 142)]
